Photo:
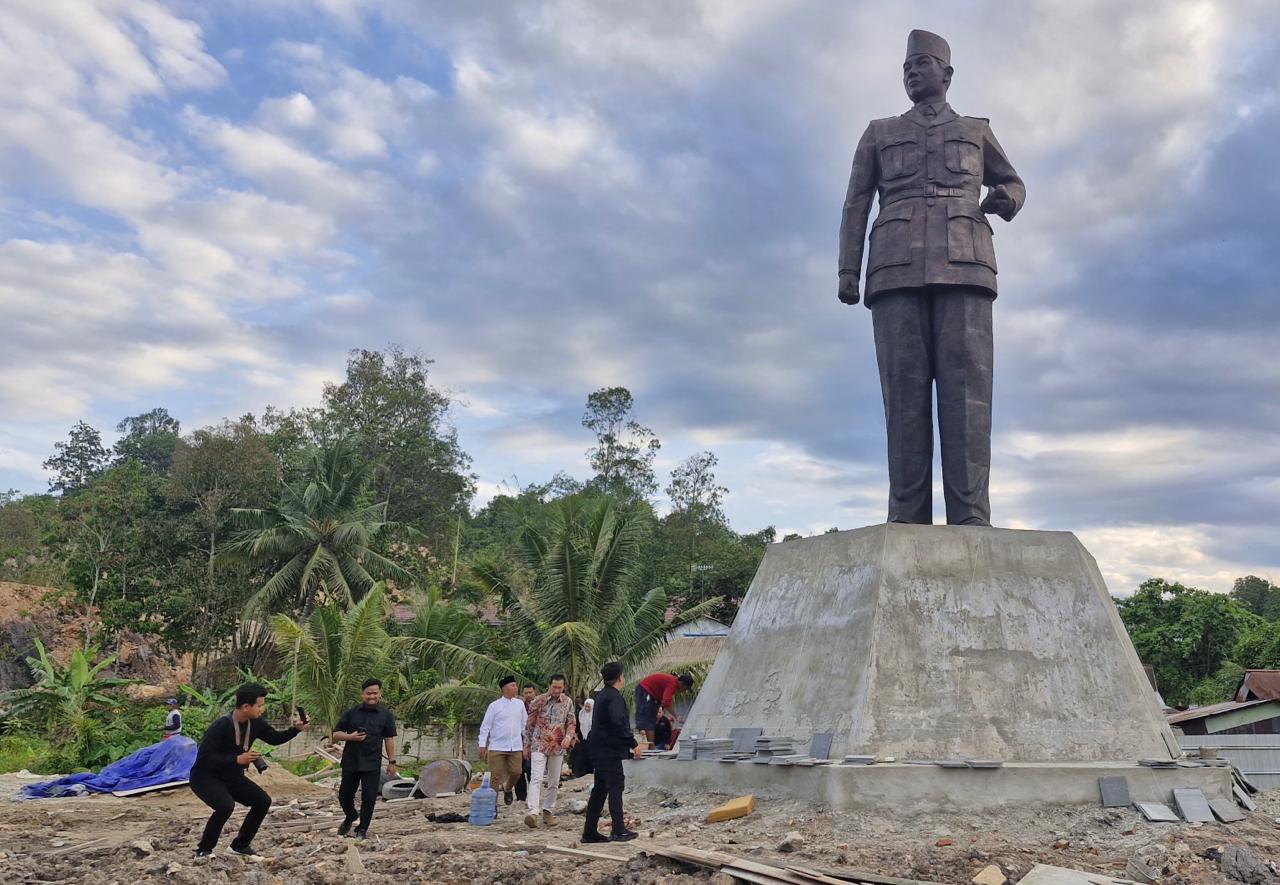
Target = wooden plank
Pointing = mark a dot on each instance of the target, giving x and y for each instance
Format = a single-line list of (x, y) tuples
[(151, 789), (815, 876), (853, 875), (572, 852)]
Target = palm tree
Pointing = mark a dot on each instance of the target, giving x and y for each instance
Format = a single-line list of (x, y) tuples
[(323, 528), (445, 658), (333, 651), (584, 609)]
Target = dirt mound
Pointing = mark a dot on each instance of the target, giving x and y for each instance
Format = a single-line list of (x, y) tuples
[(280, 782)]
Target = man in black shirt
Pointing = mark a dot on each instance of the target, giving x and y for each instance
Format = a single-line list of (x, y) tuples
[(609, 742), (218, 775), (364, 729)]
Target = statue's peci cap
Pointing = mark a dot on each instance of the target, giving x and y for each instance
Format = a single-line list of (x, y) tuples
[(930, 44)]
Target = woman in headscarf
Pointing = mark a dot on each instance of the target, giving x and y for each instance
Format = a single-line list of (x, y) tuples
[(578, 763)]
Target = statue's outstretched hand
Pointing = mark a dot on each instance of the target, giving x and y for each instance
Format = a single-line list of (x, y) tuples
[(998, 202), (848, 289)]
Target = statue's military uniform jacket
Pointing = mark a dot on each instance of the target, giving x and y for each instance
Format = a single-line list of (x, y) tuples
[(929, 172)]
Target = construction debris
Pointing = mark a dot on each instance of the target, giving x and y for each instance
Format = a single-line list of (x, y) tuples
[(989, 875)]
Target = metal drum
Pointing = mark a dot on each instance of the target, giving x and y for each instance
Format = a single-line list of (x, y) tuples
[(444, 776)]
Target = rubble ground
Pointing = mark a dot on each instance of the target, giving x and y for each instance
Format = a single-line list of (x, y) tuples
[(150, 838)]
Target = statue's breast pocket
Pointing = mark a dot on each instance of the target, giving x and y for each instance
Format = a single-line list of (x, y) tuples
[(898, 158), (963, 156)]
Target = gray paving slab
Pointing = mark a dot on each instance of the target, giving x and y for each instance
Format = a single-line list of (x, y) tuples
[(1225, 810), (1114, 790), (744, 739), (1192, 804), (1243, 798), (1157, 812), (820, 745)]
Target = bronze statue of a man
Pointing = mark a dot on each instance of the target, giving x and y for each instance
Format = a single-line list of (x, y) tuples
[(931, 279)]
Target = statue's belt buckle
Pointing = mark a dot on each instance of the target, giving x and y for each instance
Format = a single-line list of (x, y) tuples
[(931, 189)]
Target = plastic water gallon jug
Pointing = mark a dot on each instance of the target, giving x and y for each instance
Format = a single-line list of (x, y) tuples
[(484, 804)]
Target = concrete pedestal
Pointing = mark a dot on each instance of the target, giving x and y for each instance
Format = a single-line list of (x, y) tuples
[(931, 643), (923, 789)]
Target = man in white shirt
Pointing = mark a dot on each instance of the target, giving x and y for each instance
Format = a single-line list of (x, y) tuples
[(502, 738)]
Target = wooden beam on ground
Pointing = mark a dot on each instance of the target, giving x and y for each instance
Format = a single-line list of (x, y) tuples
[(572, 852)]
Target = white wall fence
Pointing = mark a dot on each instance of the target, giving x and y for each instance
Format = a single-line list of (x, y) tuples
[(1256, 755), (412, 744)]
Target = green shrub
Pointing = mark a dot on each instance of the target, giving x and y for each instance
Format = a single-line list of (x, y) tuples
[(19, 751)]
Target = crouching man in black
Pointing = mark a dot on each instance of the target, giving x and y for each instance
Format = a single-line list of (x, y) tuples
[(218, 775), (609, 742)]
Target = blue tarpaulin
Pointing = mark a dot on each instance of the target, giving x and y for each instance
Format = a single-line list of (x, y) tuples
[(161, 763)]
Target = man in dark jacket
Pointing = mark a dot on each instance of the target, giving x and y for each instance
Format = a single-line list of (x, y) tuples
[(218, 775), (367, 731), (610, 742)]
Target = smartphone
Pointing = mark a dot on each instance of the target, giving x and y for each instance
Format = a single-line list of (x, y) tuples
[(302, 714)]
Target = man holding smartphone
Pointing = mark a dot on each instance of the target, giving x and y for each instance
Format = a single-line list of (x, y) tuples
[(218, 775), (366, 730)]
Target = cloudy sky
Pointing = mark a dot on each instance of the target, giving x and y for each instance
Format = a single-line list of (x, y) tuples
[(205, 206)]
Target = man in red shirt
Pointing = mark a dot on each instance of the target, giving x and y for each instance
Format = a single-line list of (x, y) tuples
[(654, 691)]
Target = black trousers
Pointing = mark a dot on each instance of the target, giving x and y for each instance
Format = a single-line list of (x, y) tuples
[(609, 783), (222, 795), (368, 783), (936, 335)]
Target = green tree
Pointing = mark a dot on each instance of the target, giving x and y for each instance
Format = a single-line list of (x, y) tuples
[(214, 470), (1258, 595), (332, 651), (107, 536), (149, 439), (1186, 634), (623, 455), (323, 530), (77, 461), (584, 608), (402, 425)]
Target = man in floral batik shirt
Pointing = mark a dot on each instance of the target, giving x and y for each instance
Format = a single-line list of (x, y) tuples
[(550, 731)]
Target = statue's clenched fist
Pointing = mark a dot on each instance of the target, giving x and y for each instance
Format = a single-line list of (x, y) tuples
[(848, 288)]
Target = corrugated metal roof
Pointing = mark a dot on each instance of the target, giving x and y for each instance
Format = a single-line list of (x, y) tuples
[(1212, 710), (1260, 685)]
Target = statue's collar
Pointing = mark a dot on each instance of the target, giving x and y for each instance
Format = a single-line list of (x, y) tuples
[(942, 113)]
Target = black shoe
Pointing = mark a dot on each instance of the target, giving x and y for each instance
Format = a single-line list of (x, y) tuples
[(247, 853), (345, 826), (361, 833), (593, 837), (624, 836), (203, 852), (507, 798)]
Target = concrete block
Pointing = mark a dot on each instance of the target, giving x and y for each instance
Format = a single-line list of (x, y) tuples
[(734, 808), (936, 642), (989, 875), (1114, 790)]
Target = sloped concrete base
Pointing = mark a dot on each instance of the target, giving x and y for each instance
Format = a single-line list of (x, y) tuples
[(934, 642), (915, 789)]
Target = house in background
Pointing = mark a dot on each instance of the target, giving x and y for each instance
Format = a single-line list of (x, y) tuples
[(1255, 709)]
